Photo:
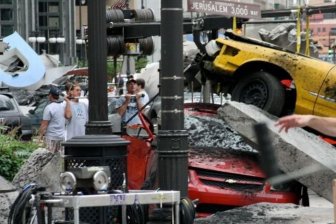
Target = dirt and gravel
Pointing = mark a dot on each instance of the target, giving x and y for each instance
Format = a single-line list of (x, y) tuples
[(212, 132)]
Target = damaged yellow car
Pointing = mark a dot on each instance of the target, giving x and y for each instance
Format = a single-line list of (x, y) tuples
[(267, 76)]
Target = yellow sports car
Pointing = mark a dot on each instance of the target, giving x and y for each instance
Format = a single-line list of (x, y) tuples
[(265, 75)]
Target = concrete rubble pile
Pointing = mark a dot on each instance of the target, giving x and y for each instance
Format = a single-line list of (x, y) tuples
[(42, 168), (294, 150), (262, 213)]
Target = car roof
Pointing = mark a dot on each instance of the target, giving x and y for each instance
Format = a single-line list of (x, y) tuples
[(7, 93)]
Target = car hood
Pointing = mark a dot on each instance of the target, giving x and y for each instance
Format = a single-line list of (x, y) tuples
[(215, 146), (226, 161)]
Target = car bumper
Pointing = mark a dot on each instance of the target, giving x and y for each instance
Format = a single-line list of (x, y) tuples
[(214, 195), (27, 133)]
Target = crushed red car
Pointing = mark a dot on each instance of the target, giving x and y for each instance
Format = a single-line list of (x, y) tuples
[(224, 171)]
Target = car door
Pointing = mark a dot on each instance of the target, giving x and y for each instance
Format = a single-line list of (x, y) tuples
[(326, 101), (36, 115)]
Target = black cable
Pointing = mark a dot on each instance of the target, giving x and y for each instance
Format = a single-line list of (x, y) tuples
[(187, 211), (141, 213), (20, 210), (135, 214), (17, 209)]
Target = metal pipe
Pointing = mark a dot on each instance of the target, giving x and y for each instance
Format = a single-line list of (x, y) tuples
[(270, 21)]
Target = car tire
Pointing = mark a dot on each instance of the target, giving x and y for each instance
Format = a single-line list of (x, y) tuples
[(262, 90)]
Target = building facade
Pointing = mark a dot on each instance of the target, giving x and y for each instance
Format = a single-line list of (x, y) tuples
[(323, 30), (50, 20), (7, 17)]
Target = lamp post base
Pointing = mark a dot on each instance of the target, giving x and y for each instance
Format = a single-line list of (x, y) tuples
[(98, 128)]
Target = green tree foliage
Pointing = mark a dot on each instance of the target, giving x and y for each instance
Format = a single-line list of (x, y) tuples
[(114, 68), (140, 63), (13, 153)]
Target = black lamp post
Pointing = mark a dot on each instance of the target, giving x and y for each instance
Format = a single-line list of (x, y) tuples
[(97, 55), (98, 147), (172, 138)]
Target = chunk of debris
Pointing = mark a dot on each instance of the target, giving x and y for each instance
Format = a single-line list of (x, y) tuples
[(296, 151)]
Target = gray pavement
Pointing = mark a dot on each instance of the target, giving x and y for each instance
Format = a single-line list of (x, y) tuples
[(317, 201), (262, 213)]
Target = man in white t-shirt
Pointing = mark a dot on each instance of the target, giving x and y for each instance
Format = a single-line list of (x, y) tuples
[(141, 90), (76, 113), (129, 104), (53, 122)]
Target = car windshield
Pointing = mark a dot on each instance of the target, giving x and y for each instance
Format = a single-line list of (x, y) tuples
[(6, 103), (40, 107)]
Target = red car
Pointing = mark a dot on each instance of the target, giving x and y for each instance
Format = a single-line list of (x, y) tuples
[(223, 169)]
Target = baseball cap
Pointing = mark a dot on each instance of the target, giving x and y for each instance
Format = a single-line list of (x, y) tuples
[(130, 80), (54, 91)]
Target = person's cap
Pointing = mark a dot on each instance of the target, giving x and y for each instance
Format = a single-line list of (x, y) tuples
[(54, 91), (130, 80)]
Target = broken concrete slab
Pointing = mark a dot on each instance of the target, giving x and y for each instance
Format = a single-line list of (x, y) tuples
[(271, 213), (294, 150), (42, 168)]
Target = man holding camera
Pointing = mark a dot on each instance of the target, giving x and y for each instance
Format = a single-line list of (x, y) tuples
[(129, 104)]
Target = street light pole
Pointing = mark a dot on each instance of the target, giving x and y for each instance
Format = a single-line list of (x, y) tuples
[(172, 138), (97, 55)]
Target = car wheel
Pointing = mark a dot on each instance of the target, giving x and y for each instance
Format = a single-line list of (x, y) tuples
[(261, 89)]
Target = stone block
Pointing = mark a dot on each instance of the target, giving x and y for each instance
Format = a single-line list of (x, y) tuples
[(295, 150)]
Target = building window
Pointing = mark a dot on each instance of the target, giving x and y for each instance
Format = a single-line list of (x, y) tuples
[(43, 7), (53, 8), (49, 12), (42, 21), (329, 15), (6, 30), (53, 22), (6, 14), (318, 29), (323, 29), (6, 1)]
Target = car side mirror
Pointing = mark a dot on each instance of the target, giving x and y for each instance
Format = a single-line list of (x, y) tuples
[(31, 111)]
